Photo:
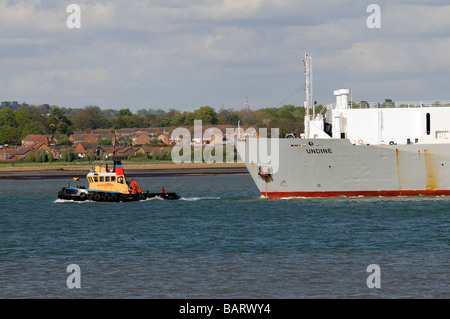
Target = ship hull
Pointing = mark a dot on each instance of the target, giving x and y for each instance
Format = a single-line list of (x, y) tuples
[(336, 167)]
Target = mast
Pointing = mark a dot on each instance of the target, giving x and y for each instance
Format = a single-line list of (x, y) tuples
[(308, 92), (308, 85)]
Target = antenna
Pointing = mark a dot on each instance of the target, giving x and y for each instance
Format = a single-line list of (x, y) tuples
[(307, 63)]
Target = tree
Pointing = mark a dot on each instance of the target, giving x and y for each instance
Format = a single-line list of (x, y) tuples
[(286, 112), (207, 114), (7, 117), (104, 141), (59, 123), (178, 119), (29, 157), (89, 118), (32, 128), (40, 156), (165, 122), (90, 156), (50, 157), (124, 112), (67, 155), (227, 116)]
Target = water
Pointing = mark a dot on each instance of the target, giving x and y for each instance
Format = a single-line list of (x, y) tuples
[(221, 240)]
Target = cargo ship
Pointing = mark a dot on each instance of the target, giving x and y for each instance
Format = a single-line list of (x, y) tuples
[(110, 185), (375, 149)]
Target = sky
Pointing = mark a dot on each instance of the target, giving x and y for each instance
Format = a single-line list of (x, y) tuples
[(183, 54)]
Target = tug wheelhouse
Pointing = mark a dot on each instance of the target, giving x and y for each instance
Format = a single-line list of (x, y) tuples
[(104, 180)]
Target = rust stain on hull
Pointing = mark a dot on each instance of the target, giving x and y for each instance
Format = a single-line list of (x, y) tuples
[(430, 171), (398, 170)]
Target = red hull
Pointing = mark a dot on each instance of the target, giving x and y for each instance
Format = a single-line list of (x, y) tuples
[(357, 193)]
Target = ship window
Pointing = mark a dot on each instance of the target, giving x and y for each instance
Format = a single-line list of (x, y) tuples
[(107, 179), (442, 135), (113, 178), (102, 179), (120, 180), (95, 179), (428, 124)]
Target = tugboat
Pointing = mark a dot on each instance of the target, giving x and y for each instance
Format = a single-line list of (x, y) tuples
[(110, 185)]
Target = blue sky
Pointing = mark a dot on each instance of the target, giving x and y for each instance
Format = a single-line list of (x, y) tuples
[(184, 54)]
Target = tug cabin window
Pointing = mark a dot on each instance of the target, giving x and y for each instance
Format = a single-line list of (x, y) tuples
[(428, 123)]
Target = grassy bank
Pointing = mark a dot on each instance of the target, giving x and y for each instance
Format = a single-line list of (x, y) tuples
[(128, 164)]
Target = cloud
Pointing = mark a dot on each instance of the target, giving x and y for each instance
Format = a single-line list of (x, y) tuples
[(184, 54)]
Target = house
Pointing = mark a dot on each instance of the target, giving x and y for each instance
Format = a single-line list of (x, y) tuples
[(8, 154), (77, 137), (164, 138), (126, 131), (57, 151), (22, 153), (125, 152), (90, 138), (108, 150), (15, 154), (83, 137), (41, 147), (214, 139), (140, 138), (33, 139), (82, 148)]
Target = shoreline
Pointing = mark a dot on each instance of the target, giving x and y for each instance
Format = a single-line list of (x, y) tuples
[(132, 170)]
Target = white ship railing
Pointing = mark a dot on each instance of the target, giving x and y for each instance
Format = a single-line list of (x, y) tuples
[(395, 104)]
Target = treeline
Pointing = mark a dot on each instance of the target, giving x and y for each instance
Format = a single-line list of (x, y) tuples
[(20, 120)]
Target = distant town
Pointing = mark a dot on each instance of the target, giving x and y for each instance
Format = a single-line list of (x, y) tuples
[(47, 133)]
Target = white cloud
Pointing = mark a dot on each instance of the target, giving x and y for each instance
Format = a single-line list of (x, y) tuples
[(183, 54)]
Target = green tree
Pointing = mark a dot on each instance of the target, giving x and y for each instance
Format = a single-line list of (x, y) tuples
[(65, 141), (227, 116), (40, 156), (89, 118), (164, 122), (29, 157), (68, 155), (58, 121), (33, 128), (178, 119), (90, 156), (50, 157), (104, 141), (8, 135), (124, 112), (7, 117), (207, 114)]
